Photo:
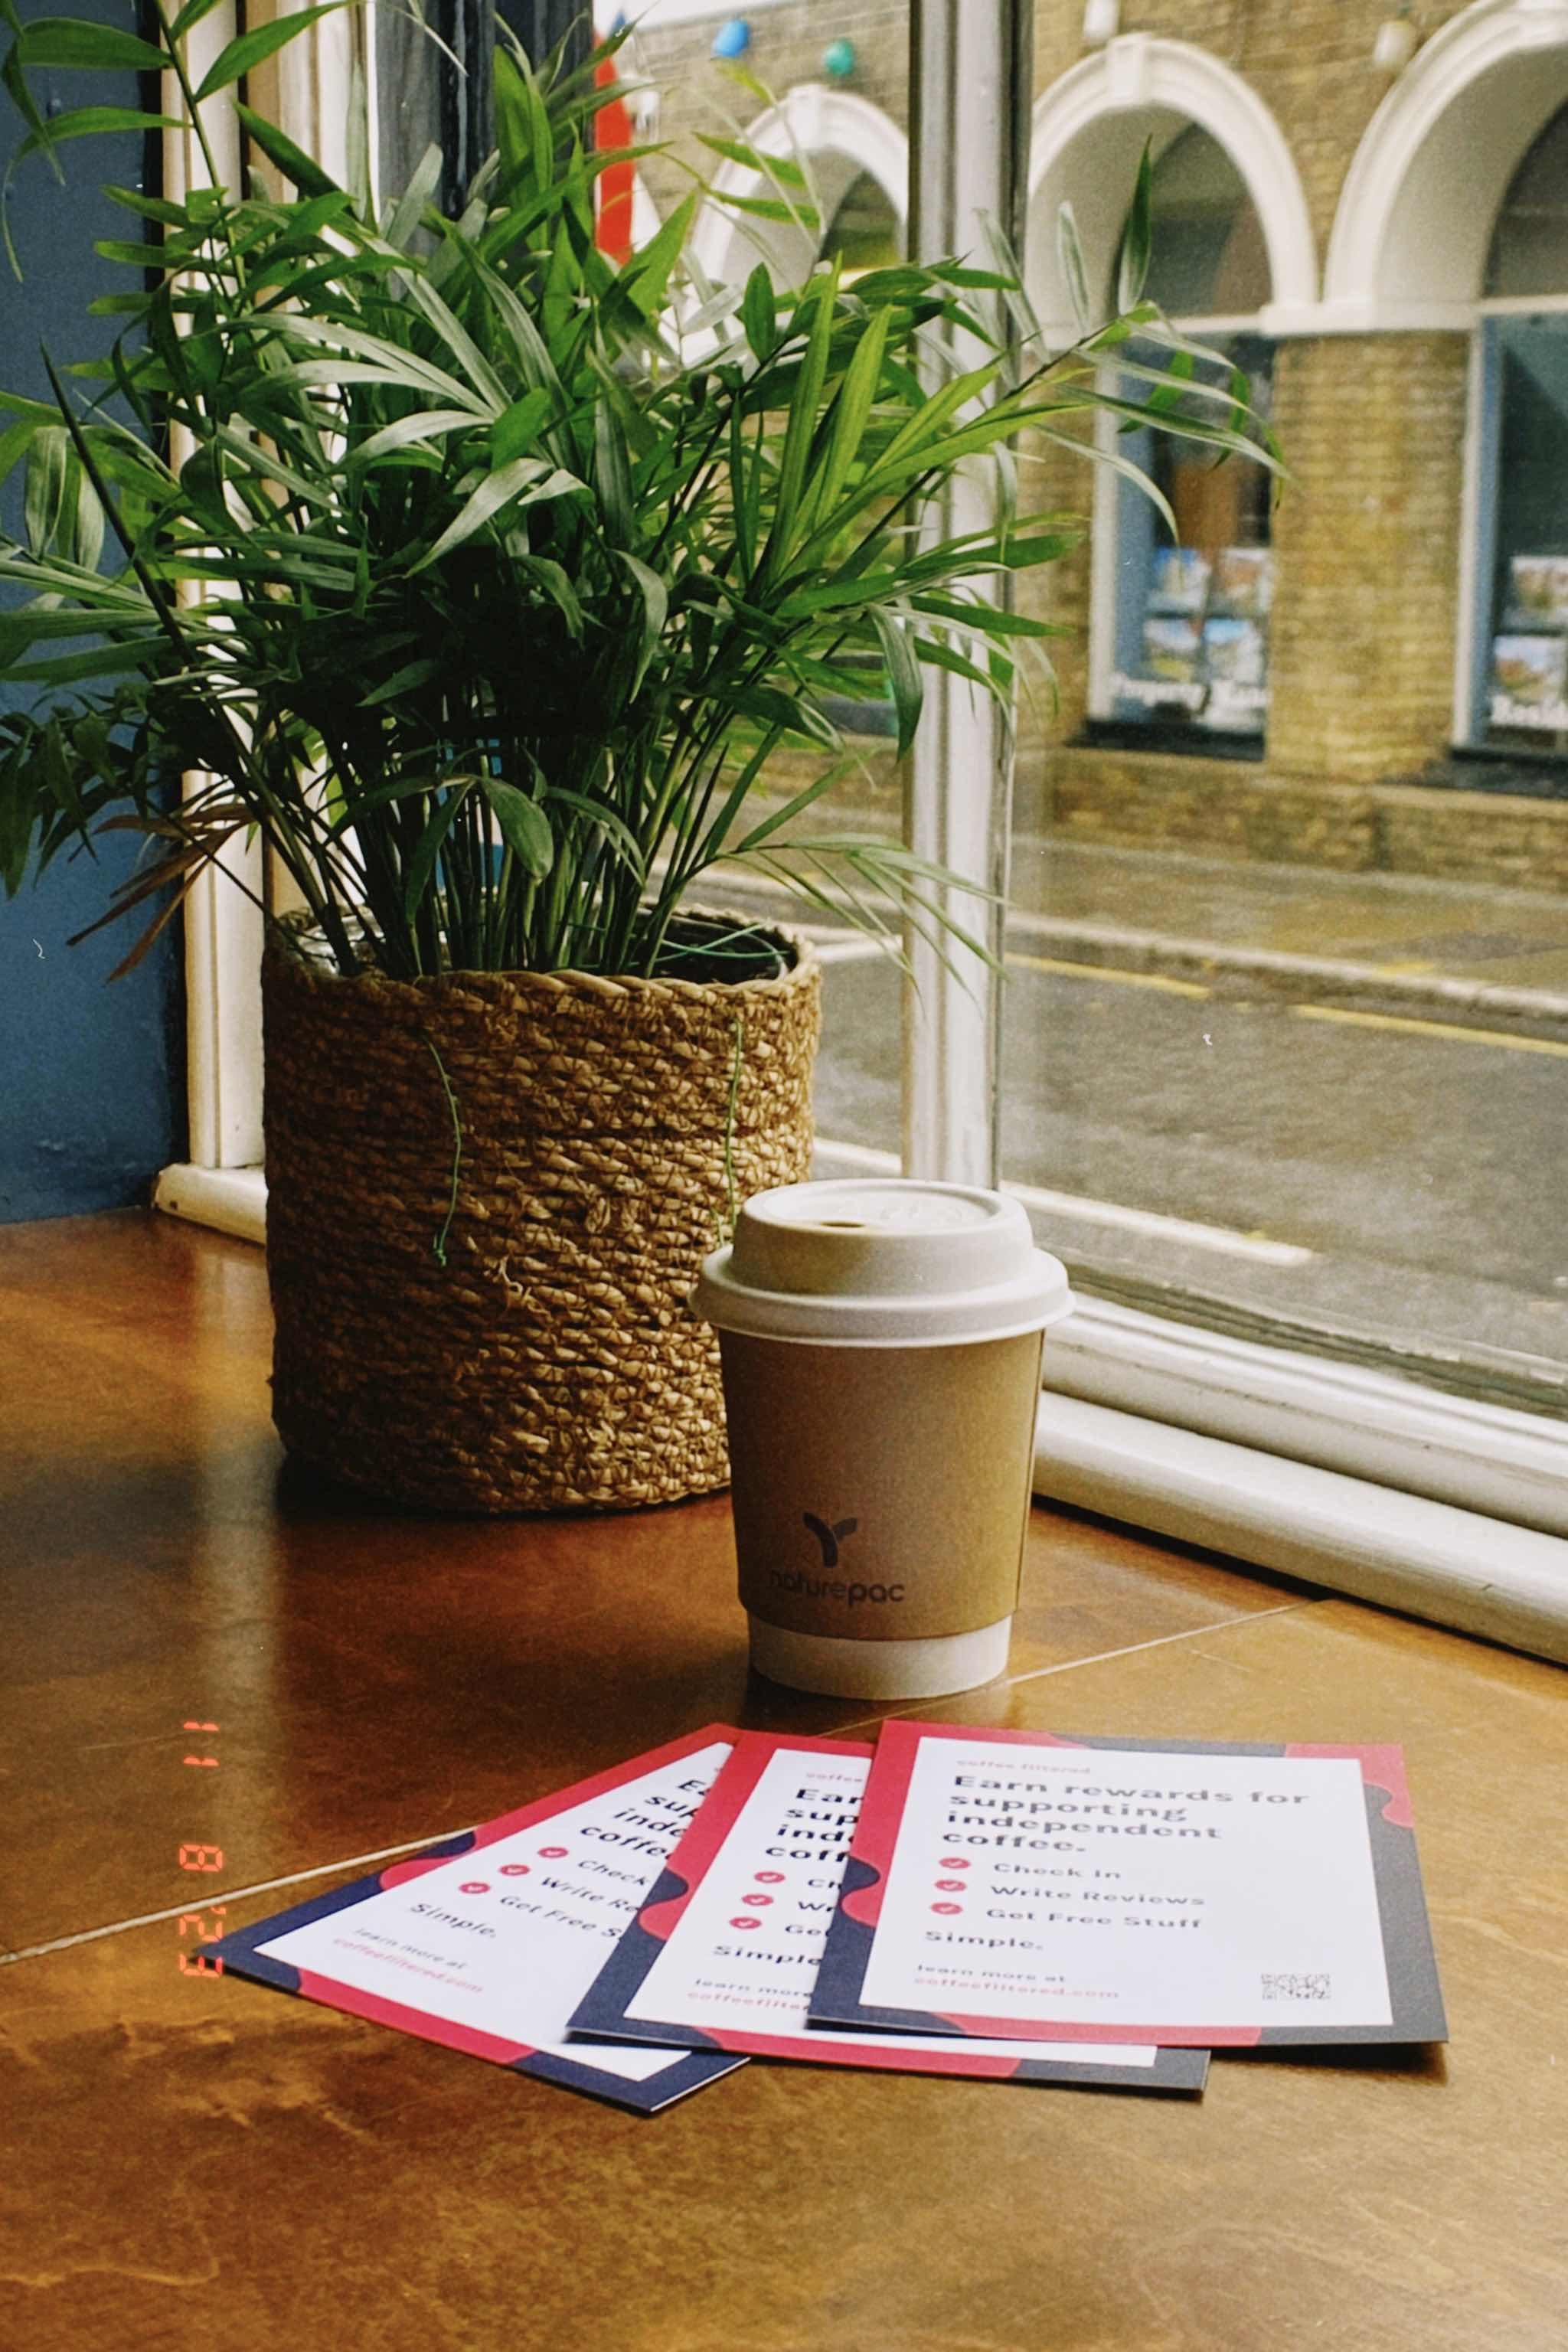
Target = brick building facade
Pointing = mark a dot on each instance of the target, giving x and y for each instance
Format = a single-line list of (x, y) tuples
[(1374, 190)]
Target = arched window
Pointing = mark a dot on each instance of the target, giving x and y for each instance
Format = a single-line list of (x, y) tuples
[(1518, 686), (856, 160), (864, 231), (1208, 257), (1181, 650)]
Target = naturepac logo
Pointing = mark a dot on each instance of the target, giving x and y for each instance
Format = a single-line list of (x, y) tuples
[(829, 1587), (829, 1537)]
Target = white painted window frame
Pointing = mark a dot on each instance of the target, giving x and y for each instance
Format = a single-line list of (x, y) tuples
[(222, 926), (221, 1181), (1443, 1506)]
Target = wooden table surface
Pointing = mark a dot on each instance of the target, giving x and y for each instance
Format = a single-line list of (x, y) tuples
[(188, 2159)]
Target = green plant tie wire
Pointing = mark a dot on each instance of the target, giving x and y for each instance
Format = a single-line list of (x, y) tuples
[(439, 1246), (724, 1230)]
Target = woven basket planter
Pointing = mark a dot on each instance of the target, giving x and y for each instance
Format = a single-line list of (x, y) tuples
[(551, 1362)]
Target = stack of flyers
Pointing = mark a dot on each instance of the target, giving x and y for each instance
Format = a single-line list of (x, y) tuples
[(1171, 650), (1537, 591), (1243, 586), (725, 1952), (1013, 1905), (1234, 652), (1178, 580), (1529, 675)]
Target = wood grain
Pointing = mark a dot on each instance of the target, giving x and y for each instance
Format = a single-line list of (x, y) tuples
[(178, 2148)]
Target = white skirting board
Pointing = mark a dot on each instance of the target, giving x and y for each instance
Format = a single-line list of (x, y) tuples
[(1400, 1550)]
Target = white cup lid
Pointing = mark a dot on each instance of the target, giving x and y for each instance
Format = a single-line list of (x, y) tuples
[(882, 1261)]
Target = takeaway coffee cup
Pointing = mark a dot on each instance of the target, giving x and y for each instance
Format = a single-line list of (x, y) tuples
[(881, 1343)]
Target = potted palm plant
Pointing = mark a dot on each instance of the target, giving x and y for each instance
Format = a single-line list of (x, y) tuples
[(482, 579)]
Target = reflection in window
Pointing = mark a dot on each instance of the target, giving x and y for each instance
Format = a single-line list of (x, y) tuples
[(1190, 654), (1522, 536)]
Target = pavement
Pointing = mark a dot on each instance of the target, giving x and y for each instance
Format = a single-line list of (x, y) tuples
[(1464, 951), (1442, 948)]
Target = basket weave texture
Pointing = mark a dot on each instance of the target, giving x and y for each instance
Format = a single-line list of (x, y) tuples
[(552, 1362)]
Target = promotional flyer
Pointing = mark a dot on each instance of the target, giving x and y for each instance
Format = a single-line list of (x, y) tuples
[(1016, 1883), (488, 1942)]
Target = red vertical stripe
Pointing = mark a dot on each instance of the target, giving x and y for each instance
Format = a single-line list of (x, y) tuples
[(612, 128)]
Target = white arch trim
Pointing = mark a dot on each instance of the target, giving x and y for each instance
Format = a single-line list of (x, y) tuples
[(1416, 213), (1088, 131), (840, 136)]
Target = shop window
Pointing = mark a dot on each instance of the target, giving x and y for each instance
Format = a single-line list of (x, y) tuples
[(1519, 688), (1184, 631)]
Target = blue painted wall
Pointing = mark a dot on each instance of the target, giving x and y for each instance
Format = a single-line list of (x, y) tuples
[(91, 1076)]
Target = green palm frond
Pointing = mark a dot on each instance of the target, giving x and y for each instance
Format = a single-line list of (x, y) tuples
[(486, 578)]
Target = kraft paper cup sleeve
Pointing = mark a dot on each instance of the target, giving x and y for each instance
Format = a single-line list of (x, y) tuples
[(881, 1347)]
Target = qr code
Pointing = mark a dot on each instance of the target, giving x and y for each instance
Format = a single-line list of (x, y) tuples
[(1291, 1988)]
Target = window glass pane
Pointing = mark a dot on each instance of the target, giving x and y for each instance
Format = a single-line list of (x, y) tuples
[(1525, 591), (1195, 1124), (433, 87), (1191, 619), (796, 83), (824, 89)]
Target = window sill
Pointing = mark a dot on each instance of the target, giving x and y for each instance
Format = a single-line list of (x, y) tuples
[(1494, 768), (1477, 1453), (1397, 1550), (1354, 1479), (230, 1200), (1165, 742)]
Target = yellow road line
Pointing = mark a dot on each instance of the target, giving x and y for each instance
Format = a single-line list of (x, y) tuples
[(1429, 1028), (1107, 972)]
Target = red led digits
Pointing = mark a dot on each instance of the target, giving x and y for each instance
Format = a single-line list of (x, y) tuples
[(197, 1855), (200, 1966)]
